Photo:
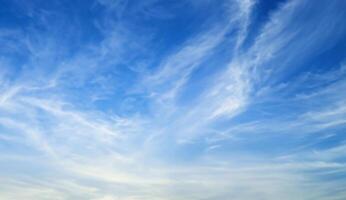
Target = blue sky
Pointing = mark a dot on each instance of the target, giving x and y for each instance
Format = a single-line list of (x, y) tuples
[(172, 99)]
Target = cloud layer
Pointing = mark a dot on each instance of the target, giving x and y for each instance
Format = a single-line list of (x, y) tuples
[(172, 100)]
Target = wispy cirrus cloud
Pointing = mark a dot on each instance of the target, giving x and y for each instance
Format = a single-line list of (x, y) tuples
[(164, 100)]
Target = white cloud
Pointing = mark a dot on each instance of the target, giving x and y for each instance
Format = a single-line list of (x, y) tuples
[(96, 154)]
